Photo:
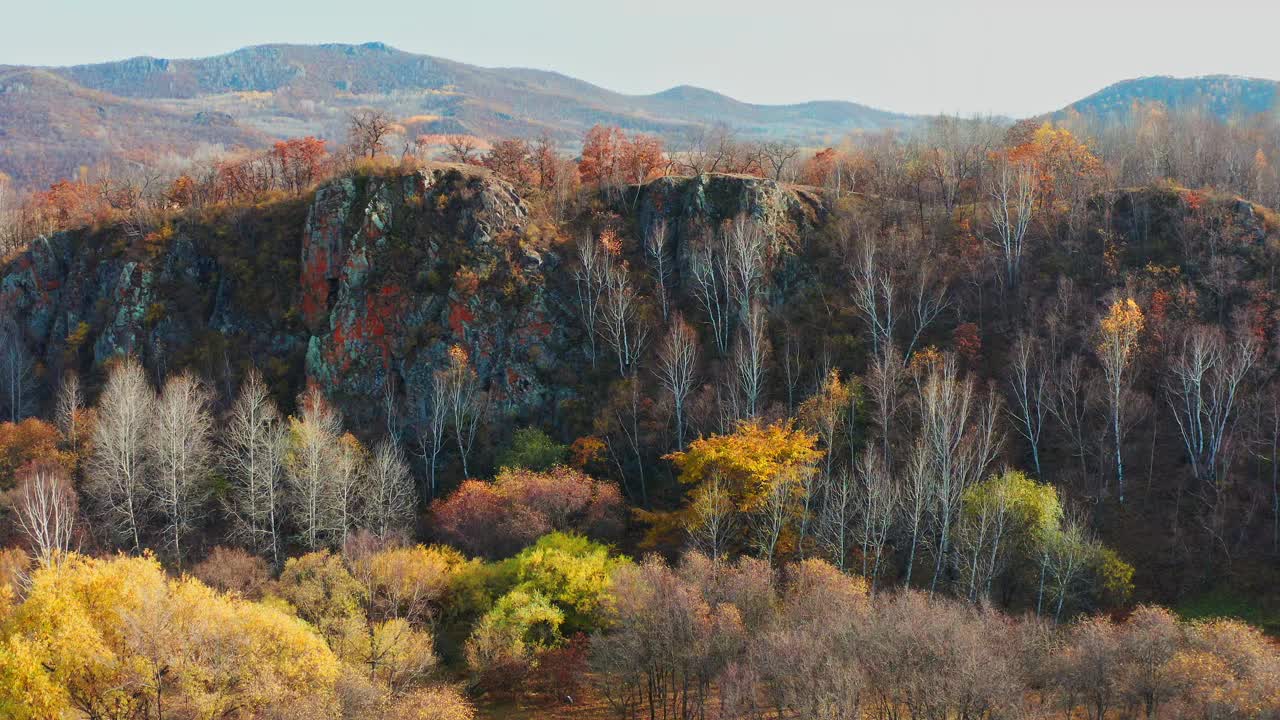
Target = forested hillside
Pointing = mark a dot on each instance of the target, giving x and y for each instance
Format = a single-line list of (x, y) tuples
[(935, 424)]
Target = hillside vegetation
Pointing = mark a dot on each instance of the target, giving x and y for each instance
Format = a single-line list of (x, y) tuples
[(936, 430)]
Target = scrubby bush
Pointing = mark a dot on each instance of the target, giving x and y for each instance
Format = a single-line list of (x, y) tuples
[(498, 519)]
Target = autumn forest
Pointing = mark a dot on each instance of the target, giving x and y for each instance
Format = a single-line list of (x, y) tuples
[(965, 418)]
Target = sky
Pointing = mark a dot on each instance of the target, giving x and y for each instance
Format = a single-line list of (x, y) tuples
[(1009, 57)]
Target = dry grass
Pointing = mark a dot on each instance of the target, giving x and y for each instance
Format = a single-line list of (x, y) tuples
[(587, 706)]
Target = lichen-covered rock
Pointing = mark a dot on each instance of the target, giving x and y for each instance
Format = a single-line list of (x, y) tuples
[(691, 206), (398, 270), (360, 287)]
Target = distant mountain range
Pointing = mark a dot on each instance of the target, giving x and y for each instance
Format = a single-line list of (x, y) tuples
[(56, 120), (1223, 96)]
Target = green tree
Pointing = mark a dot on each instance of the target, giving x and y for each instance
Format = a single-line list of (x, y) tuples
[(533, 449)]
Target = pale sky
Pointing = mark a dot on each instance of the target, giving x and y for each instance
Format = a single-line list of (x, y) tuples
[(1015, 57)]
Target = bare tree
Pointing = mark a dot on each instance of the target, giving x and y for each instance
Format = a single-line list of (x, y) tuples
[(958, 429), (750, 354), (461, 148), (677, 362), (747, 249), (1072, 398), (465, 401), (1069, 551), (117, 479), (367, 132), (68, 408), (876, 501), (884, 383), (179, 443), (836, 518), (709, 271), (622, 317), (778, 154), (17, 371), (928, 301), (657, 253), (253, 446), (776, 509), (44, 509), (1012, 202), (590, 279), (710, 150), (873, 293), (1029, 385), (347, 491), (433, 420), (916, 496), (955, 150), (310, 468), (1203, 388), (391, 498)]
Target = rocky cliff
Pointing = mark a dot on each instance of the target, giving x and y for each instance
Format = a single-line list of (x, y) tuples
[(364, 284)]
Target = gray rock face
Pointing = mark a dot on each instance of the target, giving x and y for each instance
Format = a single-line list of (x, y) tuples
[(366, 284)]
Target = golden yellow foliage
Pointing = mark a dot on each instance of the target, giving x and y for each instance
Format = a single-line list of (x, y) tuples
[(1120, 329), (751, 460), (437, 703), (116, 636)]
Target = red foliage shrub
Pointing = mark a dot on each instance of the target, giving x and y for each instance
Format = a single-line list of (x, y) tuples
[(500, 518)]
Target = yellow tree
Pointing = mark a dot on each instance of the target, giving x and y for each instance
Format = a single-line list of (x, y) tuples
[(117, 638), (1119, 332), (761, 470)]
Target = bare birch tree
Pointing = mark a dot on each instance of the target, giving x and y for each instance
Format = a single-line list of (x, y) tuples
[(776, 510), (750, 356), (928, 301), (313, 440), (884, 380), (657, 253), (44, 510), (118, 466), (1116, 348), (838, 513), (958, 430), (433, 420), (1012, 203), (465, 401), (589, 281), (622, 318), (713, 518), (876, 501), (391, 499), (874, 295), (253, 446), (69, 410), (17, 372), (1071, 403), (1029, 386), (677, 363), (746, 245), (710, 276), (180, 446), (913, 506), (1067, 560), (345, 504), (1203, 389)]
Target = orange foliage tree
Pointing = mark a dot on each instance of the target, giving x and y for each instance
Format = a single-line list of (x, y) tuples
[(609, 157)]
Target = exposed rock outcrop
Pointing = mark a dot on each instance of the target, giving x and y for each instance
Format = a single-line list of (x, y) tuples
[(367, 282)]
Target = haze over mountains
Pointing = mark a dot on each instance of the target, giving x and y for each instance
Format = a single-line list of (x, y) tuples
[(56, 120)]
